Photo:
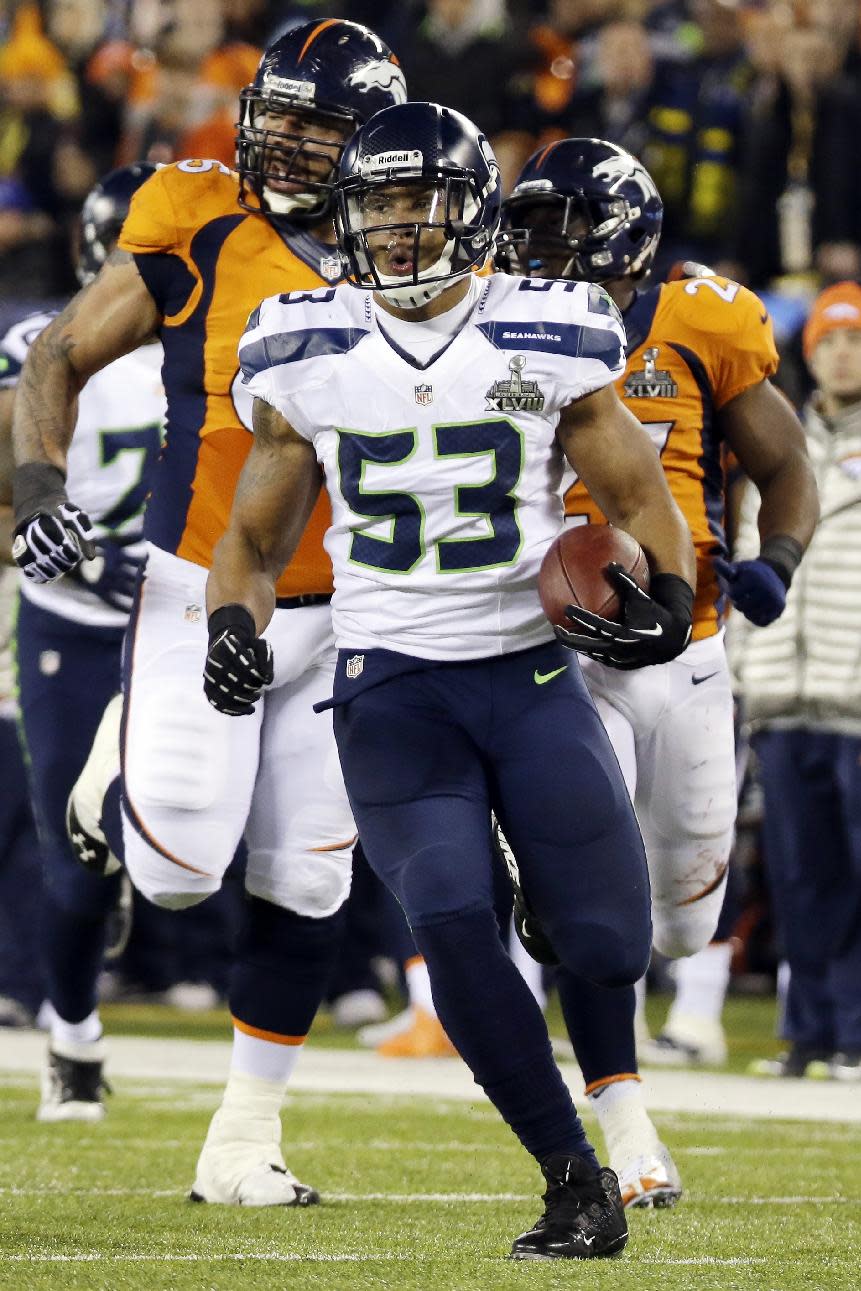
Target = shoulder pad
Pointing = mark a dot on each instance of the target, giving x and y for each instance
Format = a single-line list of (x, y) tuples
[(176, 202), (302, 325), (715, 305)]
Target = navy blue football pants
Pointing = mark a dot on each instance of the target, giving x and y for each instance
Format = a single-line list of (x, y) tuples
[(426, 757), (811, 785), (20, 878)]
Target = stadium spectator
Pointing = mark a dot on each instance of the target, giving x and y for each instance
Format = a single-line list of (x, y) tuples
[(801, 203), (800, 682), (464, 54), (182, 100)]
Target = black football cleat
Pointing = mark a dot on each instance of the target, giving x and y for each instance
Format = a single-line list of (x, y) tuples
[(529, 931), (583, 1219)]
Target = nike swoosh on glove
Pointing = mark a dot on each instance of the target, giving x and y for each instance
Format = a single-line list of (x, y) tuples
[(754, 587), (52, 542), (655, 627)]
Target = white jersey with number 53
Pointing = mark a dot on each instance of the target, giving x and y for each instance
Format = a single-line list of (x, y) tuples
[(445, 477)]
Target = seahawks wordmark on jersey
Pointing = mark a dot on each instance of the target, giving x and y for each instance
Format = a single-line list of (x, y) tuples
[(117, 438), (442, 509)]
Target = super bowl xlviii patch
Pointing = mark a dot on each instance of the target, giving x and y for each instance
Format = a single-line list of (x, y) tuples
[(330, 268), (650, 381), (424, 395), (515, 395), (355, 665), (193, 613)]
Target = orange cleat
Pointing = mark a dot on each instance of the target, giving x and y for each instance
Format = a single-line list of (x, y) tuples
[(425, 1038)]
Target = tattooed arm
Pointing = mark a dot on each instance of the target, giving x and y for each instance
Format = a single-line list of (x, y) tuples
[(110, 317), (275, 495)]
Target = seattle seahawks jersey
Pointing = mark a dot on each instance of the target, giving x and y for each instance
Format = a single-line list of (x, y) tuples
[(444, 476), (114, 448)]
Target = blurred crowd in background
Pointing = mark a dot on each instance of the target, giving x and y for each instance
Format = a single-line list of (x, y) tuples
[(746, 112)]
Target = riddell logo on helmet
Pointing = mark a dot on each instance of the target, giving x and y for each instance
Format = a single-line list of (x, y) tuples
[(305, 90), (401, 163)]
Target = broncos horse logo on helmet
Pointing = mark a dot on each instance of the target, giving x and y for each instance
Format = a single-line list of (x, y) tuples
[(448, 166), (583, 209), (103, 213), (313, 88)]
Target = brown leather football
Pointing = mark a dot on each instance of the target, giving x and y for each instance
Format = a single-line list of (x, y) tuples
[(572, 571)]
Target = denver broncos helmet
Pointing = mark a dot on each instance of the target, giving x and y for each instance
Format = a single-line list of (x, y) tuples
[(583, 209), (105, 208), (322, 79), (444, 168)]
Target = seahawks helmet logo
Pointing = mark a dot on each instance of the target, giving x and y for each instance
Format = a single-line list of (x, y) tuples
[(380, 75)]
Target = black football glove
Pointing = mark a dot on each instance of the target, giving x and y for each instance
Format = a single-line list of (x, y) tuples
[(51, 534), (113, 574), (238, 662), (655, 626)]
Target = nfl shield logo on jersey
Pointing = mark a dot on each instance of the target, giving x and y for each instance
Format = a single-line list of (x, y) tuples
[(424, 395), (330, 268), (355, 664)]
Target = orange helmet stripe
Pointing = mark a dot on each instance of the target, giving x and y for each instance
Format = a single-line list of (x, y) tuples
[(318, 30), (540, 162)]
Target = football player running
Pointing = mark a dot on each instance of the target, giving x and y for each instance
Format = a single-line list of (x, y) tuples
[(441, 407), (69, 642), (700, 351), (201, 247)]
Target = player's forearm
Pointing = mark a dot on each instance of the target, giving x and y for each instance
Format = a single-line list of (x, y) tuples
[(661, 530), (241, 575), (789, 502), (46, 401)]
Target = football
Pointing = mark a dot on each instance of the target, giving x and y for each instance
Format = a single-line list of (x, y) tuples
[(573, 571)]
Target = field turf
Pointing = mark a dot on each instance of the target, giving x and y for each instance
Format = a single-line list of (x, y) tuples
[(419, 1196)]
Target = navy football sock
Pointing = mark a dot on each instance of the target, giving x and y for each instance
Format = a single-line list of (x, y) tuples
[(600, 1022), (112, 818), (73, 951), (283, 965), (494, 1022)]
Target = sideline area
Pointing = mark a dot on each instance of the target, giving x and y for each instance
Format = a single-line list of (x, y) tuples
[(323, 1070)]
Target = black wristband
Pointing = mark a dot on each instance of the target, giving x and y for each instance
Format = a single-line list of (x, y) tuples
[(37, 486), (783, 554), (674, 593), (235, 617)]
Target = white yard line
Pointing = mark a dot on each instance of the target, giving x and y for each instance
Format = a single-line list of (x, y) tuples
[(430, 1198), (324, 1071), (297, 1257)]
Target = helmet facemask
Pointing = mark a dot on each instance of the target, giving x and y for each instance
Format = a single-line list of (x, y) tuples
[(409, 238), (291, 170), (550, 235)]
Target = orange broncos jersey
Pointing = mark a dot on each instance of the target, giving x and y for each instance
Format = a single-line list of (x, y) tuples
[(692, 346), (208, 264)]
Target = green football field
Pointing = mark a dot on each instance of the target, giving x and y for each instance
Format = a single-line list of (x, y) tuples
[(419, 1194)]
